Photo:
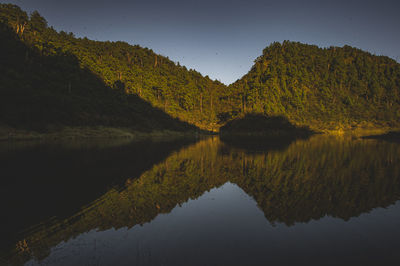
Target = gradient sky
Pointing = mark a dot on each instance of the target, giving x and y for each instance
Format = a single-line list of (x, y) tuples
[(221, 39)]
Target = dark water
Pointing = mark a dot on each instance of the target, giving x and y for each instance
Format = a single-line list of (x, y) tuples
[(322, 201)]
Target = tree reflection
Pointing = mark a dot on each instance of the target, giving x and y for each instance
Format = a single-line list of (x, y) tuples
[(307, 180)]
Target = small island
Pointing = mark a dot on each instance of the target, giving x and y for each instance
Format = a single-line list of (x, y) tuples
[(257, 132), (258, 125), (393, 136)]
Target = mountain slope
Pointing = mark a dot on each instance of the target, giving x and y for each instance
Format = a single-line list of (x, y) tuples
[(321, 87), (43, 62), (53, 78), (34, 94)]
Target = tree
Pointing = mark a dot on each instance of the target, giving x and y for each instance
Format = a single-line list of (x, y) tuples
[(14, 16), (37, 23)]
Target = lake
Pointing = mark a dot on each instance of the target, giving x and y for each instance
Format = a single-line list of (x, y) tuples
[(319, 201)]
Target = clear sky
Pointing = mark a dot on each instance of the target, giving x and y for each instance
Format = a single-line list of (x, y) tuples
[(221, 39)]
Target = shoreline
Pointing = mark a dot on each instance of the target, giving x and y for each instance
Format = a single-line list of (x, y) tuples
[(388, 136), (101, 132), (86, 133)]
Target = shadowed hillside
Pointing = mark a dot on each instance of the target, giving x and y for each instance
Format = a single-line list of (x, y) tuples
[(71, 80), (52, 79), (35, 95), (54, 180)]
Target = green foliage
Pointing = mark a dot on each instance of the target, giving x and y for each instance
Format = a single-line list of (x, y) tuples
[(37, 23), (319, 86), (42, 62), (40, 91), (14, 16)]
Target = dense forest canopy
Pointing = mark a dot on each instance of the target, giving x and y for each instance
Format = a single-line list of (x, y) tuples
[(81, 81), (42, 62), (320, 86)]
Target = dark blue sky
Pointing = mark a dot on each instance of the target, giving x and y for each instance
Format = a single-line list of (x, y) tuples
[(222, 38)]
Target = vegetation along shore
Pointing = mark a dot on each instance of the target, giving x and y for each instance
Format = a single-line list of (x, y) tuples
[(55, 85)]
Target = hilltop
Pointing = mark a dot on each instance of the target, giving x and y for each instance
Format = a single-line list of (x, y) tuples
[(51, 80), (324, 88)]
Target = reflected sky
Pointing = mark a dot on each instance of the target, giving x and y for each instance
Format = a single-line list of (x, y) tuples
[(225, 227), (320, 201)]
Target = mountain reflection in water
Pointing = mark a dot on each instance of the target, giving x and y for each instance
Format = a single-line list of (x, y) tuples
[(227, 205)]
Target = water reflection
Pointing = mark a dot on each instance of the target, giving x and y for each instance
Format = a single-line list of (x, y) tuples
[(42, 180), (212, 190)]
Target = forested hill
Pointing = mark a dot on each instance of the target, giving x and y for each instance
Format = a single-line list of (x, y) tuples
[(51, 77), (321, 87)]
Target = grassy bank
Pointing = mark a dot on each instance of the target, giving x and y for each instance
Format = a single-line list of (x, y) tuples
[(12, 134), (358, 130), (101, 132)]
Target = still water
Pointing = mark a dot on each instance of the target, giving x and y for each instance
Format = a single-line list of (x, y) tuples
[(321, 201)]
